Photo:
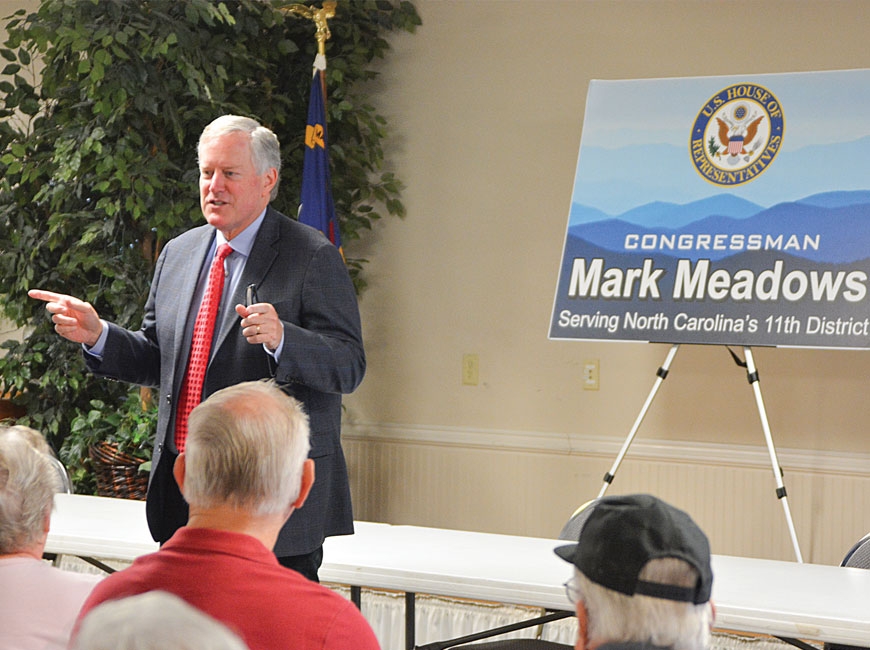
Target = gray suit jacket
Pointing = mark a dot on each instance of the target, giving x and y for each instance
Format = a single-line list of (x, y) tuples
[(302, 275)]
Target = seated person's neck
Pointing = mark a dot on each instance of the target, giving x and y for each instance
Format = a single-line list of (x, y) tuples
[(238, 520)]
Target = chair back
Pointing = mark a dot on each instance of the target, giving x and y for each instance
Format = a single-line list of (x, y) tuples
[(859, 555), (571, 529)]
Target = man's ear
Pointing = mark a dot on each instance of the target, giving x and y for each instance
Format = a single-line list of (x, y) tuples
[(270, 180), (307, 482), (178, 471)]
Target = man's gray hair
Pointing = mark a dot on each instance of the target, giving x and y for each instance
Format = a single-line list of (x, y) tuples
[(614, 617), (28, 482), (265, 149), (155, 620), (246, 446)]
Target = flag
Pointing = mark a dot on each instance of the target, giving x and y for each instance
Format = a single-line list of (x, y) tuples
[(317, 208)]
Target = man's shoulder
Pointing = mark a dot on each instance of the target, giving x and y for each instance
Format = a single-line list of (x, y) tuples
[(192, 236), (291, 229), (181, 247)]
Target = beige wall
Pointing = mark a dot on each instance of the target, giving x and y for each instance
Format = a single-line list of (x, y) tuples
[(486, 106), (486, 103)]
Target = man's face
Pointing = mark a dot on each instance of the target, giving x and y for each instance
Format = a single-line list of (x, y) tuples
[(231, 193)]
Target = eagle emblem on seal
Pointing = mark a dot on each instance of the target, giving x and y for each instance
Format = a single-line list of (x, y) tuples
[(736, 134)]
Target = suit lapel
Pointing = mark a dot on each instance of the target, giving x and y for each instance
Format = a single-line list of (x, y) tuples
[(186, 291)]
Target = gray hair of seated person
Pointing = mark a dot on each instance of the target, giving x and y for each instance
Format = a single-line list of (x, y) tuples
[(246, 446), (265, 148), (28, 483), (614, 617), (155, 620)]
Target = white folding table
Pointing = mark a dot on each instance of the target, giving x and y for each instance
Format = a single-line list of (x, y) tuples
[(783, 599)]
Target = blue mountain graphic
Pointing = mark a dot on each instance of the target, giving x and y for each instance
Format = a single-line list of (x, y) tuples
[(839, 222), (837, 199), (675, 215)]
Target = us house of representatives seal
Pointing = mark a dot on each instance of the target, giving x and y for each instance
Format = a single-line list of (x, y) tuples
[(737, 134)]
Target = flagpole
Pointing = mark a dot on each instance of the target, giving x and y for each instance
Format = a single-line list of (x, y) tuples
[(320, 17), (317, 207)]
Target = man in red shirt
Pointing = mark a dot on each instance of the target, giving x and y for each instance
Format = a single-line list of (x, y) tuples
[(245, 469)]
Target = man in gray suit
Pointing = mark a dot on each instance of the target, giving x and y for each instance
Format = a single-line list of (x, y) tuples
[(302, 329)]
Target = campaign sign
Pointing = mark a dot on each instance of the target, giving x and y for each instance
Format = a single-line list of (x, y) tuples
[(721, 210)]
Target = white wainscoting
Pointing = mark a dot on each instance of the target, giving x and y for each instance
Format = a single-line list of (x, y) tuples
[(529, 483)]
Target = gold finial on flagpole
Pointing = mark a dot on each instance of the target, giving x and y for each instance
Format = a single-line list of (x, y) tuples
[(319, 16)]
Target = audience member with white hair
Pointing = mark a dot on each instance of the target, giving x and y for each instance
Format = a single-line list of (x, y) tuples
[(156, 620), (38, 602), (642, 577), (244, 471)]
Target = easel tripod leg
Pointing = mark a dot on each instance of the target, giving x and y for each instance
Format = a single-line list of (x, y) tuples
[(752, 375), (661, 374)]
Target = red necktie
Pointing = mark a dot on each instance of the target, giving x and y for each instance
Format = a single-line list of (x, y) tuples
[(200, 347)]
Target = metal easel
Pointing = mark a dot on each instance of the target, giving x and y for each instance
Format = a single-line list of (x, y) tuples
[(752, 376)]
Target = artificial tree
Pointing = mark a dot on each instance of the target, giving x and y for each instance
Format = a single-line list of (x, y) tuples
[(101, 103)]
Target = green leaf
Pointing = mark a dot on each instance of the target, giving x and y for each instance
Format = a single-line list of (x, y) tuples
[(97, 72)]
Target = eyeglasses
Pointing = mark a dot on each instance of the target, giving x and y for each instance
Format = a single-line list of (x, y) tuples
[(572, 591)]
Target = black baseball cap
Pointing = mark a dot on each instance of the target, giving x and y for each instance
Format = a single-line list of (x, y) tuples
[(623, 533)]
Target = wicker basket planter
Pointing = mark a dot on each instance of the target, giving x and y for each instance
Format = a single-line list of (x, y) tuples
[(117, 473)]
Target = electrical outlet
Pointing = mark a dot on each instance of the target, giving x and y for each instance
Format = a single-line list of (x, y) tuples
[(590, 374), (470, 369)]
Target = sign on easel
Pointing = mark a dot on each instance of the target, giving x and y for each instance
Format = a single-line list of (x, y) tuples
[(721, 210)]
